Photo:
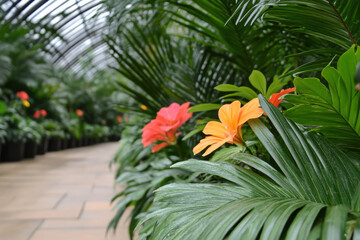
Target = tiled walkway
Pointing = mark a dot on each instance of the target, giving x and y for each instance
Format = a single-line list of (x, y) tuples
[(59, 196)]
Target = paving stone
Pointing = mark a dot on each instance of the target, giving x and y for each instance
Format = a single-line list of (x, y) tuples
[(18, 230)]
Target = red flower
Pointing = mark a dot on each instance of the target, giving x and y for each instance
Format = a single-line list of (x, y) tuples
[(276, 99), (79, 112), (22, 95), (37, 114), (119, 118), (164, 127), (43, 112)]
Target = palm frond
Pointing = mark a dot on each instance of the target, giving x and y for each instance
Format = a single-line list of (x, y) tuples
[(335, 111)]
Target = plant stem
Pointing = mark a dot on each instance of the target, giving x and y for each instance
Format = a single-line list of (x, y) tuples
[(342, 21)]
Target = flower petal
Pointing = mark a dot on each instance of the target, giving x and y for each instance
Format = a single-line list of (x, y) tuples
[(216, 129), (249, 111), (215, 146), (158, 147), (229, 114), (276, 99), (206, 142)]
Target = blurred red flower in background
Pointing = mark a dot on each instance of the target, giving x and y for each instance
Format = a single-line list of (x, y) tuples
[(39, 113), (119, 118), (22, 95), (164, 126), (79, 112), (43, 112)]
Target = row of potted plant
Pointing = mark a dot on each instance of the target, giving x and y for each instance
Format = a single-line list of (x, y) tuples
[(24, 136), (29, 143)]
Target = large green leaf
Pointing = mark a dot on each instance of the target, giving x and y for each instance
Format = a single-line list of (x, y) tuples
[(335, 112)]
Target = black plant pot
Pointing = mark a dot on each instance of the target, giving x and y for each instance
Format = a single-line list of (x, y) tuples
[(77, 143), (13, 151), (54, 144), (0, 150), (64, 144), (42, 147), (114, 138), (71, 143), (85, 142), (30, 149)]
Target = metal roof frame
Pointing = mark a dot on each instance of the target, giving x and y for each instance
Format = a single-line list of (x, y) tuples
[(60, 16)]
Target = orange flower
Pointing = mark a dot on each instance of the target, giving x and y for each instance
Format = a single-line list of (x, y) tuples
[(79, 112), (232, 117), (276, 99), (143, 107)]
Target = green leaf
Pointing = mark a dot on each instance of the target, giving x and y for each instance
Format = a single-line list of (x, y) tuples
[(335, 112), (324, 116), (227, 153), (277, 85), (355, 204), (312, 86), (244, 92), (334, 223), (204, 107), (3, 107), (228, 88), (258, 80)]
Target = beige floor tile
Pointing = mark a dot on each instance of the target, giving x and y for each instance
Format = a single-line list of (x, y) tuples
[(76, 223), (18, 230), (79, 234)]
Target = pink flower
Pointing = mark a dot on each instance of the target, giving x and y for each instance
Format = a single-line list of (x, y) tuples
[(37, 114), (164, 126), (22, 95), (43, 112)]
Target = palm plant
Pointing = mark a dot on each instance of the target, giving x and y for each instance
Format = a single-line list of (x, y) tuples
[(301, 198), (158, 65), (335, 111), (142, 172), (323, 27)]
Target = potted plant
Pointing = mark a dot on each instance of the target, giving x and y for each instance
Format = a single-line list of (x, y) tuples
[(56, 133), (3, 127), (74, 129), (33, 132), (42, 145), (13, 149)]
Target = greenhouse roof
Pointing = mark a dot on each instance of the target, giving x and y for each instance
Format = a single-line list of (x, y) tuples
[(74, 28)]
